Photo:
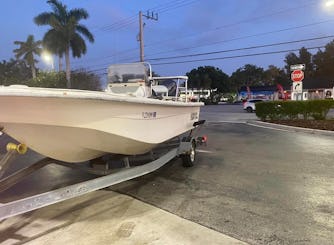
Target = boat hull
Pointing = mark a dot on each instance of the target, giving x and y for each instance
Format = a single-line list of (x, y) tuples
[(76, 126)]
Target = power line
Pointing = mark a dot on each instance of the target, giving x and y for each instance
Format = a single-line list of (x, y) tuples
[(181, 4), (169, 5), (132, 19), (236, 23), (235, 56), (210, 44), (244, 37), (121, 26), (244, 48), (118, 24), (187, 2), (108, 56), (282, 11), (124, 22), (222, 58)]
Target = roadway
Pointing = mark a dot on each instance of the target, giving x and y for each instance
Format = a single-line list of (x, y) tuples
[(257, 185)]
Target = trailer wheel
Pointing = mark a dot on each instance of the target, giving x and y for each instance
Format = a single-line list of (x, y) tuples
[(188, 159)]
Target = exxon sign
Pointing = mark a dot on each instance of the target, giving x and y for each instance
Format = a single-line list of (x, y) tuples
[(297, 76)]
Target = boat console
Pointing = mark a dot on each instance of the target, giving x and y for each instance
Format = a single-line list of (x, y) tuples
[(135, 79), (130, 79)]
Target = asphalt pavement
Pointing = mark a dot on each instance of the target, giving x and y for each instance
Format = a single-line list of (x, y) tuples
[(254, 184), (261, 186)]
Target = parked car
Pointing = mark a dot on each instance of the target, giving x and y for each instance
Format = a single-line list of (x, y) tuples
[(249, 105)]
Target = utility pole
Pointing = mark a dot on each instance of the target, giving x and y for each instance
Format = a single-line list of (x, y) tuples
[(149, 15), (141, 36)]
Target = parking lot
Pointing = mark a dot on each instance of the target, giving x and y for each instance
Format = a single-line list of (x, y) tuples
[(256, 185)]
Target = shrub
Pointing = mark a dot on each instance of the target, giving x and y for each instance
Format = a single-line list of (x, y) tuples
[(273, 110), (269, 110), (318, 109), (48, 80), (293, 109), (80, 80)]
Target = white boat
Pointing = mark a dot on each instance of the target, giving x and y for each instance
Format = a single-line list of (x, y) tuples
[(131, 117)]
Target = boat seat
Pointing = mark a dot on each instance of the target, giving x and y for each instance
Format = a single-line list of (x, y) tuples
[(160, 90), (132, 89)]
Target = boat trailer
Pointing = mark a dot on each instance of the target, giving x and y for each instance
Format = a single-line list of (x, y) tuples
[(184, 147)]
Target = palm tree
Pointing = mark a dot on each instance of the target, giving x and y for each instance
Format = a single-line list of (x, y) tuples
[(55, 46), (65, 33), (27, 49)]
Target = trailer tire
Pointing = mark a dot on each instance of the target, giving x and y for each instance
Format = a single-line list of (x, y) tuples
[(188, 159)]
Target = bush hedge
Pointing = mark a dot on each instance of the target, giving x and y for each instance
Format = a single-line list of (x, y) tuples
[(280, 110), (80, 80)]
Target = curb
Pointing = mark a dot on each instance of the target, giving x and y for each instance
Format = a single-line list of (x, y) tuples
[(290, 128)]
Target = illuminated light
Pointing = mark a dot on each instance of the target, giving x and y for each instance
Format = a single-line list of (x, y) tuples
[(329, 3), (47, 58)]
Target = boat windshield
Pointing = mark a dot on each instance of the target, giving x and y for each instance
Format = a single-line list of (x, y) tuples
[(174, 88), (128, 73)]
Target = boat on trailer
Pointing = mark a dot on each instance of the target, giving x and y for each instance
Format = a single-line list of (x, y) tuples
[(133, 115)]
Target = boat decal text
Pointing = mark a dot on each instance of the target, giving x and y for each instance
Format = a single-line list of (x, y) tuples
[(149, 114)]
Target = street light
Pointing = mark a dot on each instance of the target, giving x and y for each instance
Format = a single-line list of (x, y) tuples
[(48, 59), (328, 5)]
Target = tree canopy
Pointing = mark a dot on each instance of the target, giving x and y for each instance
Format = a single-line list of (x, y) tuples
[(303, 57), (319, 66), (66, 33), (27, 50), (208, 77), (324, 62), (14, 72), (248, 75)]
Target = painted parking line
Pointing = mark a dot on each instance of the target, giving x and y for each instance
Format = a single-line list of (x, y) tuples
[(204, 151), (225, 121), (268, 127)]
